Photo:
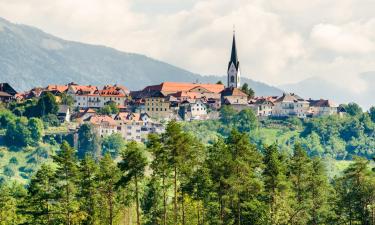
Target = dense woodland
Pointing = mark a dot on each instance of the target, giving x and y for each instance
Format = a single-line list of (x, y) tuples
[(238, 170)]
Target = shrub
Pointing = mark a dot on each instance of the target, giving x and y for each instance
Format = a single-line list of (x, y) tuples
[(13, 160)]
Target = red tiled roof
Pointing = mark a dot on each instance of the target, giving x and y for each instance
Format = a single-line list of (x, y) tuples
[(180, 86), (98, 119), (59, 88)]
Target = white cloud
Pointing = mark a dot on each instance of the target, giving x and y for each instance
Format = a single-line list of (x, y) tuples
[(345, 39), (279, 41)]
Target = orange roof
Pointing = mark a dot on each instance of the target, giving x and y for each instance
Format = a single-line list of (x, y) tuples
[(59, 88), (84, 88), (99, 119), (180, 86), (127, 116)]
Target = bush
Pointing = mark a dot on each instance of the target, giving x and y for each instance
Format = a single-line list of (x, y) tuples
[(51, 120), (13, 160), (8, 171)]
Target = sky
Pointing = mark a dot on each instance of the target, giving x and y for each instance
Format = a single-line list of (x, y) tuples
[(278, 41)]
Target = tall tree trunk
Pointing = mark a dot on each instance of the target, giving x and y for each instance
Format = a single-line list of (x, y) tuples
[(164, 202), (183, 209), (175, 196), (110, 203), (137, 200)]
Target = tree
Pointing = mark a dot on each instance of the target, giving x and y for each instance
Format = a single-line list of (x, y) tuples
[(277, 186), (89, 190), (46, 105), (299, 174), (66, 184), (109, 176), (18, 134), (133, 167), (321, 210), (113, 144), (88, 141), (246, 120), (160, 167), (11, 196), (183, 151), (353, 109), (36, 128), (66, 99), (219, 82), (109, 108), (227, 113), (245, 185), (250, 92), (371, 112), (356, 191), (41, 195)]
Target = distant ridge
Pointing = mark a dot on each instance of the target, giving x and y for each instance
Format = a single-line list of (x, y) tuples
[(30, 57)]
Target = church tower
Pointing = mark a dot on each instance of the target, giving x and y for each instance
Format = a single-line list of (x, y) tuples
[(234, 67)]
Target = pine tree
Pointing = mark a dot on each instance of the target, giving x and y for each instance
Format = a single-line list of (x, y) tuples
[(109, 176), (88, 193), (160, 166), (133, 167), (66, 184), (299, 175), (277, 187), (41, 195), (244, 181), (320, 191)]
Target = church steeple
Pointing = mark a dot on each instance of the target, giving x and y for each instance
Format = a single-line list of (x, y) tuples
[(234, 66)]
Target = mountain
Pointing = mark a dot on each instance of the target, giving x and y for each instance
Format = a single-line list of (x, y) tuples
[(330, 90), (30, 57)]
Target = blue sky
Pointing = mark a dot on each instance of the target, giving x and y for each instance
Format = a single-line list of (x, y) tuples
[(279, 41)]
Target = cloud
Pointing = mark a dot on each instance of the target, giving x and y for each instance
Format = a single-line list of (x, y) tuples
[(279, 41), (345, 39)]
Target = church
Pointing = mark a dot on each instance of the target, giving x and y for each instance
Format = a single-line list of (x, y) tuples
[(234, 67), (232, 94)]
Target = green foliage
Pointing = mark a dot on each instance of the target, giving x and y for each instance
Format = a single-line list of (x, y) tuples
[(51, 120), (250, 92), (113, 144), (66, 99), (23, 132), (88, 142), (353, 109), (46, 105), (109, 108)]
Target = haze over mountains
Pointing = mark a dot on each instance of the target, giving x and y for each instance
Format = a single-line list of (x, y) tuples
[(30, 57)]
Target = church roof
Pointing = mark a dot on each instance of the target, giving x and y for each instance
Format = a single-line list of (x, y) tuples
[(174, 87), (233, 55)]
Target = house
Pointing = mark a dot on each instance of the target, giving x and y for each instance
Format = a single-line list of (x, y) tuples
[(136, 126), (234, 97), (64, 113), (57, 89), (290, 104), (104, 125), (83, 114), (157, 105), (193, 109), (263, 106), (322, 107), (7, 92), (92, 97)]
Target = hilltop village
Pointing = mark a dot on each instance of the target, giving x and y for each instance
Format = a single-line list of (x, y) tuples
[(135, 114)]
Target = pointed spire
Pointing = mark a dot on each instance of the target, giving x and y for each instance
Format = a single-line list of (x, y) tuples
[(233, 56)]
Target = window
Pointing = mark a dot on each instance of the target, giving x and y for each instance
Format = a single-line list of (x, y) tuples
[(232, 79)]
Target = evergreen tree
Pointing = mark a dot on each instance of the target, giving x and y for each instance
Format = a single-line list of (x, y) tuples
[(109, 176), (244, 182), (66, 185), (88, 142), (321, 211), (133, 166), (356, 192), (41, 195), (278, 194), (89, 190), (46, 105), (299, 175), (160, 166)]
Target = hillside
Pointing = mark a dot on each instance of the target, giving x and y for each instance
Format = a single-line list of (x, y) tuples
[(30, 57)]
